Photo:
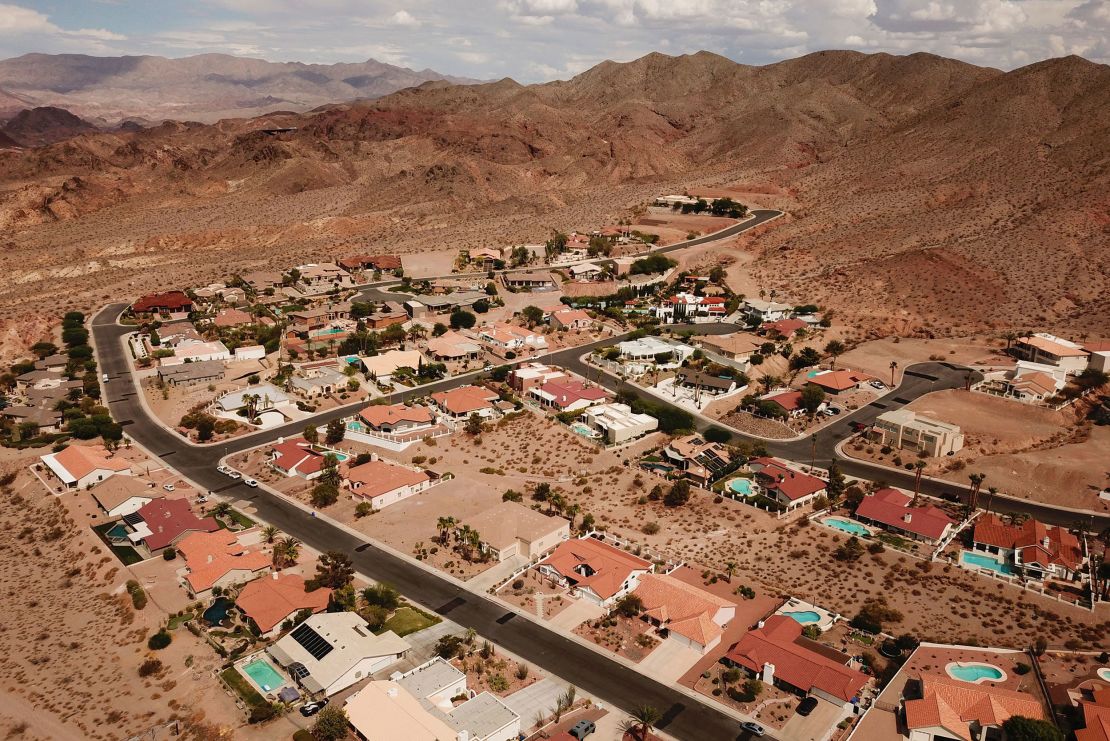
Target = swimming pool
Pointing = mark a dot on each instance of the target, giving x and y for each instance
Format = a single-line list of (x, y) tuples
[(217, 613), (983, 561), (583, 430), (1104, 674), (263, 674), (847, 526), (743, 487), (118, 531), (805, 617), (974, 673)]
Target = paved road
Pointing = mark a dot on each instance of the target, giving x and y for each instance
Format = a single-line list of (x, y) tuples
[(602, 677)]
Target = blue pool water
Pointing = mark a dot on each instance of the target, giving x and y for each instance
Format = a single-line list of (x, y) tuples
[(118, 531), (263, 674), (582, 429), (975, 672), (847, 526), (743, 487), (986, 562), (805, 617), (217, 613)]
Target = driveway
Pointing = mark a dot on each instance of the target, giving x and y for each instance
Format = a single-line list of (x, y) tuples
[(535, 698), (580, 611), (817, 726), (669, 661), (495, 574)]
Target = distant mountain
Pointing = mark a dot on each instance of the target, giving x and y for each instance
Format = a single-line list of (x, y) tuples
[(35, 127), (204, 88), (10, 104)]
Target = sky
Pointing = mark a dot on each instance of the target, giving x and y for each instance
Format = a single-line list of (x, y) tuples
[(537, 40)]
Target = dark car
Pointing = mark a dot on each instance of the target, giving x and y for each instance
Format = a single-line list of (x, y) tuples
[(753, 728), (807, 706), (311, 708), (582, 729)]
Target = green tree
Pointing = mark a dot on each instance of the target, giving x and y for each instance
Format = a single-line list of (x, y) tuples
[(335, 432), (836, 483), (532, 315), (805, 358), (331, 724), (678, 495), (382, 595), (462, 319), (311, 434), (812, 397), (474, 424), (629, 606), (324, 495), (205, 427), (334, 569), (642, 720), (834, 349), (1020, 728)]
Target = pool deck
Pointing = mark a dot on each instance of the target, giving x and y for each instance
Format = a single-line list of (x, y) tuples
[(867, 531), (240, 666), (825, 620), (952, 665)]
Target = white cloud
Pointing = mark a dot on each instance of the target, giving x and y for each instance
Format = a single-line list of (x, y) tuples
[(15, 19), (404, 18)]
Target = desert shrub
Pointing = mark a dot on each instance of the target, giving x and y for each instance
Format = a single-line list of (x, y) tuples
[(138, 595), (159, 640), (498, 683), (149, 667), (651, 528)]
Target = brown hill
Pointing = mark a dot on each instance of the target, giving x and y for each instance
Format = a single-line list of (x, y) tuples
[(205, 87), (35, 127), (923, 193)]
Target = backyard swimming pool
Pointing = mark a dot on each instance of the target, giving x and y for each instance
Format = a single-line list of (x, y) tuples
[(847, 526), (583, 430), (1104, 674), (983, 561), (118, 531), (805, 617), (217, 613), (743, 487), (263, 674), (974, 673)]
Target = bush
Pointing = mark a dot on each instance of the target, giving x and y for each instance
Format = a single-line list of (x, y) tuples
[(717, 435), (138, 596), (1022, 668), (498, 683), (159, 640), (149, 667), (362, 509), (169, 554), (650, 528), (324, 495)]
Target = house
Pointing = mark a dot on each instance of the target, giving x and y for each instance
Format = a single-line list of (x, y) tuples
[(790, 488), (172, 334), (510, 529), (452, 345), (1048, 349), (570, 319), (529, 279), (777, 653), (171, 302), (381, 263), (760, 312), (504, 338), (1032, 382), (586, 271), (250, 352), (782, 327), (161, 523), (420, 705), (893, 510), (391, 313), (273, 601), (686, 307), (262, 280), (650, 348), (697, 458), (397, 419), (324, 276), (486, 257), (39, 379), (383, 484), (55, 362), (1036, 550), (950, 709), (527, 376), (689, 615), (122, 495), (739, 346), (463, 401), (82, 467), (189, 374), (567, 394), (788, 401), (594, 570), (317, 382), (705, 382), (194, 351), (383, 365), (617, 423), (1096, 718), (421, 306), (232, 318), (269, 397), (296, 457), (331, 651), (218, 559), (670, 201), (837, 381), (43, 419), (904, 429)]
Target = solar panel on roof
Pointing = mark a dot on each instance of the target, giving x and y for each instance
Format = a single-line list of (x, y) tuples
[(311, 641)]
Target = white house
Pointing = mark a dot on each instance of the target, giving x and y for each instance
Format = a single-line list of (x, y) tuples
[(250, 352), (617, 423), (648, 348), (269, 397), (383, 484), (195, 351), (1048, 349), (760, 311), (331, 651), (686, 307)]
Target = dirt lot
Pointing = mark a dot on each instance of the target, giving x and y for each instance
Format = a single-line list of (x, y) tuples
[(672, 226), (874, 357)]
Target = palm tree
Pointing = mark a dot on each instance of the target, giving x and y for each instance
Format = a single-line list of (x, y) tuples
[(269, 533), (251, 402), (286, 552), (222, 509), (991, 491), (642, 720), (730, 569), (976, 482), (444, 525), (918, 467), (834, 349), (572, 512), (1009, 336), (769, 382), (416, 332), (556, 503), (893, 367)]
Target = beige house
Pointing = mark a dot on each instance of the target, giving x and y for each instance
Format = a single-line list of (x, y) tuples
[(905, 430), (511, 529)]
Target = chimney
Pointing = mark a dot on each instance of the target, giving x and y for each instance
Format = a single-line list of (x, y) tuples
[(768, 673), (907, 517), (275, 575), (1046, 542)]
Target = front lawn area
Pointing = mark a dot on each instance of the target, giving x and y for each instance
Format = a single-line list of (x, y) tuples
[(409, 620)]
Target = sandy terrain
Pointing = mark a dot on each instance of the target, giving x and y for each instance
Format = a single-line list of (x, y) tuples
[(674, 227), (875, 356)]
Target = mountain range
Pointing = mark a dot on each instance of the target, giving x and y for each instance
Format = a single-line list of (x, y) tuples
[(205, 87), (923, 195)]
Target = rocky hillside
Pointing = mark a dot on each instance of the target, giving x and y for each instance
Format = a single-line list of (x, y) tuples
[(36, 127), (920, 190)]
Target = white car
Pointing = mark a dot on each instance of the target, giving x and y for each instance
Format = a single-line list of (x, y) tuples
[(168, 487), (234, 474), (250, 482), (878, 385), (223, 469)]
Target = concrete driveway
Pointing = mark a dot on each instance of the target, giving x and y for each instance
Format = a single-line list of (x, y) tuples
[(535, 698), (669, 661), (580, 611), (817, 726), (494, 574)]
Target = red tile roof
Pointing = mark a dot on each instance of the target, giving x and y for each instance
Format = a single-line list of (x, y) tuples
[(1096, 721), (169, 519), (953, 705), (212, 556), (780, 642), (567, 392), (375, 478), (775, 476), (297, 456), (606, 566), (465, 399), (785, 327), (892, 507), (682, 607), (1062, 547), (377, 415), (271, 600), (170, 301), (788, 400), (840, 380)]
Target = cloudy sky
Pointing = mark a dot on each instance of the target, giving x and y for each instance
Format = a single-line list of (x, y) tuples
[(533, 40)]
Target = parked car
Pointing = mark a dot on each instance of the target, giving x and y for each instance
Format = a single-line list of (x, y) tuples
[(832, 411), (233, 474), (250, 482), (168, 487), (311, 708), (106, 379), (753, 728), (202, 498), (878, 385), (223, 469), (807, 706), (582, 729)]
